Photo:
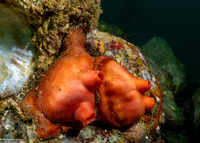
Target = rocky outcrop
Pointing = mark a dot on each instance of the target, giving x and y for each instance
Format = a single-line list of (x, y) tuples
[(170, 73), (159, 50)]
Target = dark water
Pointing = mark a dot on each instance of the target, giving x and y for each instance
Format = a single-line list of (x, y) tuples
[(177, 21)]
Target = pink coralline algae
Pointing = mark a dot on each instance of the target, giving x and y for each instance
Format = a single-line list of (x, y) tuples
[(115, 44)]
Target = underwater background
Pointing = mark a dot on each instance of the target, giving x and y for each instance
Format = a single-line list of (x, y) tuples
[(176, 21), (154, 40)]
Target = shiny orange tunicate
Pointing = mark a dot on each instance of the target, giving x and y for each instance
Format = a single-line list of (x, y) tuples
[(122, 100), (66, 92)]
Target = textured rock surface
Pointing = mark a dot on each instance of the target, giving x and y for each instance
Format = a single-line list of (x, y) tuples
[(170, 73), (171, 109), (51, 20), (164, 77), (158, 50)]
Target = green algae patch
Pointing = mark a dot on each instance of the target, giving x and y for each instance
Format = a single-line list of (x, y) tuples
[(139, 62)]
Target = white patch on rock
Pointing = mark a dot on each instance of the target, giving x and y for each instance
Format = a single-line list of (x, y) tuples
[(15, 68)]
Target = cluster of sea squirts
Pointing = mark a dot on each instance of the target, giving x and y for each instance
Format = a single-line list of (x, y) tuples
[(103, 44), (66, 91)]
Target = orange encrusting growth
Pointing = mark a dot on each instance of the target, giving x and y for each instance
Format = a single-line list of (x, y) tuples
[(122, 100), (66, 92)]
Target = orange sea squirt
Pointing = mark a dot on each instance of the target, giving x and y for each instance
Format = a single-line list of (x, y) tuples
[(66, 92), (122, 100)]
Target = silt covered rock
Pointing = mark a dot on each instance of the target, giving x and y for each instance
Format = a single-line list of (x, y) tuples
[(170, 73), (158, 50)]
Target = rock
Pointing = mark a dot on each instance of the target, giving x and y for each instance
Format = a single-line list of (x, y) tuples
[(171, 75), (52, 20), (163, 76), (158, 50), (170, 108), (172, 111)]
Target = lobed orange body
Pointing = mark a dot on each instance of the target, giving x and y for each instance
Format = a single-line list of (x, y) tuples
[(66, 92), (122, 100)]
